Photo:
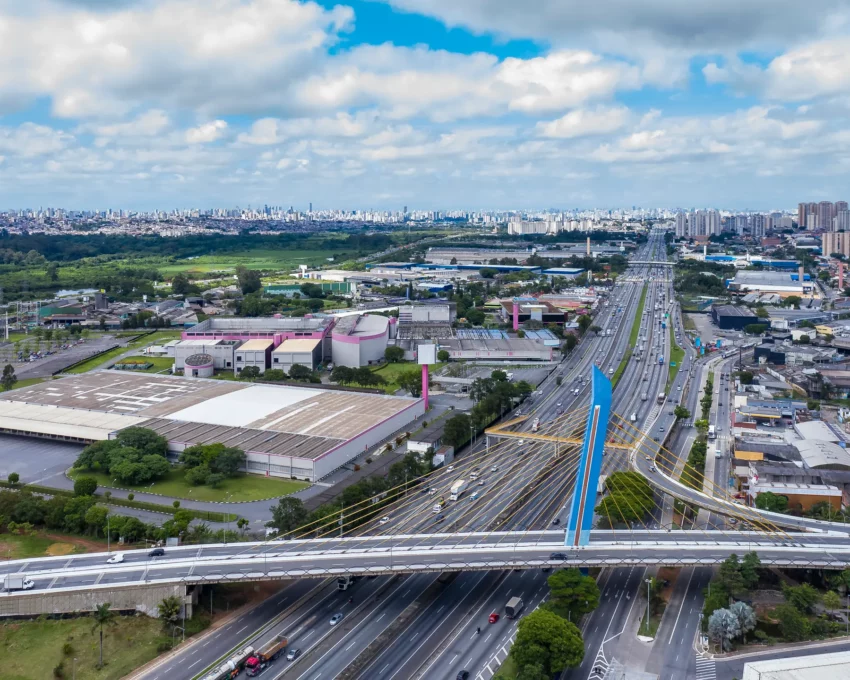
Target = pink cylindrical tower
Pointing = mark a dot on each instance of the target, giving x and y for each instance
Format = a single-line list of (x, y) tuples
[(425, 384)]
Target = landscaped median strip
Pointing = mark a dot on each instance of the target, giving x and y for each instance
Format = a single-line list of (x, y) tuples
[(632, 340)]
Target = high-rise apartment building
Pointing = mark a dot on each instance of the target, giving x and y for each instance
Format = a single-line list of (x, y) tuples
[(825, 215), (741, 224), (757, 225), (836, 242), (681, 225), (841, 221)]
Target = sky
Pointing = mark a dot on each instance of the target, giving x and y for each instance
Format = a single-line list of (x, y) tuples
[(433, 104)]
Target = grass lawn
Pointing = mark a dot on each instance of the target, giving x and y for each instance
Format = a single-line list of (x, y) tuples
[(30, 650), (633, 336), (15, 547), (160, 364), (241, 488), (677, 354), (258, 259), (26, 382), (507, 671), (688, 323), (105, 360)]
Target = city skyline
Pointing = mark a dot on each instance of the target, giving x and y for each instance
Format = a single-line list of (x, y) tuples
[(375, 105)]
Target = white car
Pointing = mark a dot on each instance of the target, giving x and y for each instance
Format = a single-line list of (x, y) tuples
[(495, 468), (384, 520), (335, 619), (116, 559), (450, 468), (520, 442), (648, 457)]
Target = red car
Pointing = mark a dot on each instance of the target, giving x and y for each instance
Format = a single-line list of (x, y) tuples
[(494, 617)]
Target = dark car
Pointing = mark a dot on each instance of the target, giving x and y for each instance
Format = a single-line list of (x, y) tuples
[(440, 519), (557, 520), (558, 556), (157, 552), (463, 675)]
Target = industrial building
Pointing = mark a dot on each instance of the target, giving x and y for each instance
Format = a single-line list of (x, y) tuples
[(360, 340), (531, 309), (342, 288), (514, 349), (306, 352), (475, 256), (298, 432), (829, 666), (256, 353), (728, 317), (783, 284)]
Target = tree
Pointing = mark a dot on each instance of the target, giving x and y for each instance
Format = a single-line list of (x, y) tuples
[(143, 440), (9, 378), (169, 610), (533, 671), (197, 476), (755, 328), (457, 430), (85, 486), (14, 478), (572, 594), (180, 284), (488, 272), (595, 329), (250, 373), (570, 343), (681, 413), (745, 615), (274, 375), (724, 627), (288, 514), (443, 356), (242, 524), (393, 354), (792, 623), (499, 376), (544, 638), (584, 322), (750, 570), (773, 502), (103, 616), (249, 280), (762, 313), (53, 272), (729, 576), (831, 601), (746, 377), (95, 518), (410, 381), (803, 597), (792, 301)]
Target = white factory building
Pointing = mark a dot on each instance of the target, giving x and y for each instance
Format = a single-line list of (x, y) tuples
[(360, 340)]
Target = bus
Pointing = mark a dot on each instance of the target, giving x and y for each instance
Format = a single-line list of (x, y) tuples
[(711, 432), (661, 398)]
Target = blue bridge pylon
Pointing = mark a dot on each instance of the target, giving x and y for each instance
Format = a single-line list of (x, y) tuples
[(580, 519)]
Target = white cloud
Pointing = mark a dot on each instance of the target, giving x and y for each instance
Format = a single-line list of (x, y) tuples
[(206, 132), (582, 122)]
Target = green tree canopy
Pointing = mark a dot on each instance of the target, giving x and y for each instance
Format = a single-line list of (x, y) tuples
[(572, 594), (546, 639), (457, 429), (393, 354), (773, 502), (288, 514)]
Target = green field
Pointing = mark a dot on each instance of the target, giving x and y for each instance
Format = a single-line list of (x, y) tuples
[(160, 364), (508, 670), (30, 650), (26, 382), (13, 546), (105, 360), (677, 354), (240, 488), (257, 259)]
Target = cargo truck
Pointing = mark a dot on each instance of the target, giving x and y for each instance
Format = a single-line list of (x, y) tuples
[(230, 668), (345, 582), (263, 657), (17, 582), (514, 607), (457, 489)]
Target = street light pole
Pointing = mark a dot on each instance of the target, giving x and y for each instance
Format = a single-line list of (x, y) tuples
[(108, 532), (648, 583)]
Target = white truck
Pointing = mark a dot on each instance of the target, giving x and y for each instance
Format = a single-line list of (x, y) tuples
[(17, 582), (535, 425), (457, 489), (633, 418)]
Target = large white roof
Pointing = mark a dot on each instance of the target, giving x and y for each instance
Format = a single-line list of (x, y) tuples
[(59, 421), (834, 666)]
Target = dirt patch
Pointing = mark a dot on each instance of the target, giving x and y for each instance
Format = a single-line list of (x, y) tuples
[(670, 575), (8, 548), (81, 544), (58, 549)]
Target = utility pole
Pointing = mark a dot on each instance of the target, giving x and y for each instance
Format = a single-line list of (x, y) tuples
[(648, 584)]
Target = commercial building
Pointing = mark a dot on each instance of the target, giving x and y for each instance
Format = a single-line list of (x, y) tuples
[(344, 288), (360, 340), (565, 272), (771, 282), (299, 432), (515, 349), (831, 666), (305, 352), (531, 309), (728, 317), (256, 353)]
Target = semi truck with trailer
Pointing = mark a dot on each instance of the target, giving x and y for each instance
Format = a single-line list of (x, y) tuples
[(263, 657), (232, 667), (457, 489)]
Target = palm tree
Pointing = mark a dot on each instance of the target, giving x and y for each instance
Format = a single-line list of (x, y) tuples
[(103, 616)]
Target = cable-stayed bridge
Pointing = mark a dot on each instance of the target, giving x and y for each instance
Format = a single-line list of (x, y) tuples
[(501, 520)]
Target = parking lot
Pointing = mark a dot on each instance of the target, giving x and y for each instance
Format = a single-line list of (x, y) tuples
[(36, 460)]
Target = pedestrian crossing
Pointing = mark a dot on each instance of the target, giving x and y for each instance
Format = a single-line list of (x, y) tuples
[(706, 668)]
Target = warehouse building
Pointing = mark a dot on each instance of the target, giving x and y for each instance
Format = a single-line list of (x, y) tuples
[(297, 352), (781, 283), (255, 353), (341, 288), (515, 349), (728, 317), (285, 431), (360, 340), (221, 352)]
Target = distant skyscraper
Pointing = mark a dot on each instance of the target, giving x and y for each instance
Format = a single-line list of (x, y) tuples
[(713, 223), (681, 225), (825, 214), (842, 220), (757, 227), (311, 206)]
